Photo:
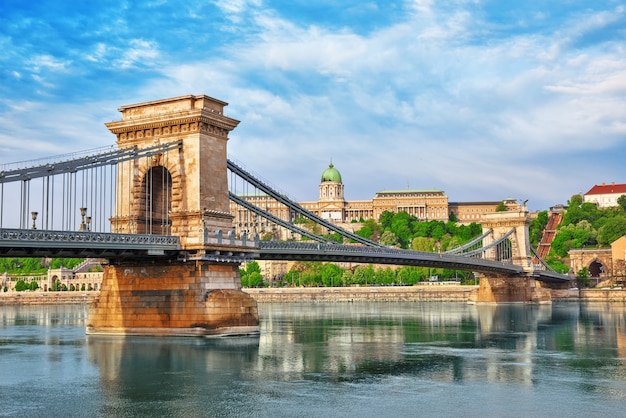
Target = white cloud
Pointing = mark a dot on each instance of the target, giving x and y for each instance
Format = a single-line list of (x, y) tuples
[(434, 98), (140, 52)]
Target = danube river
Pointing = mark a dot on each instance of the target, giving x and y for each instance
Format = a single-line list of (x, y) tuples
[(319, 360)]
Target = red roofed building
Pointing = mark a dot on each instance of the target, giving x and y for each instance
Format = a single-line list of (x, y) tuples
[(605, 195)]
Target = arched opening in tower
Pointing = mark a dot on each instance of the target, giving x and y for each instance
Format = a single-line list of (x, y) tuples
[(157, 187)]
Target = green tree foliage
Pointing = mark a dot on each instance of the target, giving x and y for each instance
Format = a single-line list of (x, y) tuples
[(578, 211), (573, 237), (331, 275), (255, 279), (582, 277), (365, 232), (35, 266), (68, 263), (386, 219), (613, 229), (251, 275), (370, 230), (423, 244), (334, 237), (584, 225), (536, 228), (390, 239), (20, 285), (501, 207), (621, 201)]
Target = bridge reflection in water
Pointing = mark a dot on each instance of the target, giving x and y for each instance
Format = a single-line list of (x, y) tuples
[(376, 358)]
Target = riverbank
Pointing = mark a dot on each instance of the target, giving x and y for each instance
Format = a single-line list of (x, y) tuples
[(441, 293), (42, 298), (425, 293)]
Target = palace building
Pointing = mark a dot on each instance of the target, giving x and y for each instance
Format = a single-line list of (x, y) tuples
[(425, 205)]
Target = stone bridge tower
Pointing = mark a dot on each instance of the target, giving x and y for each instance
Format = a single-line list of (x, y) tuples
[(501, 223), (182, 192)]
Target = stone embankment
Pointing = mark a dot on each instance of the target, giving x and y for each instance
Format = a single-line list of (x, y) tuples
[(41, 298), (374, 293), (334, 294)]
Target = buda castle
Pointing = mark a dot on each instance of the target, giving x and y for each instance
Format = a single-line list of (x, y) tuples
[(425, 205)]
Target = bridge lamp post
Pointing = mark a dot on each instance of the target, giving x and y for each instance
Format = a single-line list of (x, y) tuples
[(88, 220), (34, 216), (83, 212)]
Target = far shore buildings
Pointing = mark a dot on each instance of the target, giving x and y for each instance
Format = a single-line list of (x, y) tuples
[(424, 204), (605, 195)]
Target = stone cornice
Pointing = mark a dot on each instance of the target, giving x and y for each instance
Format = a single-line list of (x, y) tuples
[(206, 117)]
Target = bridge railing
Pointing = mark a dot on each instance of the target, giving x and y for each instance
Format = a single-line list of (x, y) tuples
[(63, 239)]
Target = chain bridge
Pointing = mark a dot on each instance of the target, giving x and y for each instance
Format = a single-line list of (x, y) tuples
[(157, 207)]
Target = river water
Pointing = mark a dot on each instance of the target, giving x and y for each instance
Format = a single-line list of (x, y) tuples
[(323, 360)]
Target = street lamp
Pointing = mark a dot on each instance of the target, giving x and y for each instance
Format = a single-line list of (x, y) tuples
[(88, 220), (83, 212), (34, 216)]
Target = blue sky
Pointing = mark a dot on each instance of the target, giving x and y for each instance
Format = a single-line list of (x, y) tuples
[(481, 99)]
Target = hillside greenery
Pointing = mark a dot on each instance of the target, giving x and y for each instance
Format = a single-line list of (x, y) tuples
[(35, 266), (393, 229), (584, 225)]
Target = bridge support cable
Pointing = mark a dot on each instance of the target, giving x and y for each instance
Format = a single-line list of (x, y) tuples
[(234, 168), (79, 192), (470, 244), (493, 245), (90, 161), (272, 218), (542, 262)]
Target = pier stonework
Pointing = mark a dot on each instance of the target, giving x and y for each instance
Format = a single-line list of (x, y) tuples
[(181, 192), (494, 288), (502, 289)]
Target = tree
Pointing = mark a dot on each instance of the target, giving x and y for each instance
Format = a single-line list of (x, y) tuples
[(582, 277), (536, 227), (389, 238), (613, 229), (335, 237), (386, 218), (346, 278), (255, 279), (501, 207), (365, 232), (20, 285), (331, 274), (423, 244), (452, 217), (621, 201), (33, 285)]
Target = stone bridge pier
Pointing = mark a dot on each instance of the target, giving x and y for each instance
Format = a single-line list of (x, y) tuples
[(182, 192), (496, 288)]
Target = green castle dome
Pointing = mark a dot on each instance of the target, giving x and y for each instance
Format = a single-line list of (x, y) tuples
[(331, 174)]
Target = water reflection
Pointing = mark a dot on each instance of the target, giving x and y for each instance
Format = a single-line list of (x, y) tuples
[(322, 357), (168, 374)]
